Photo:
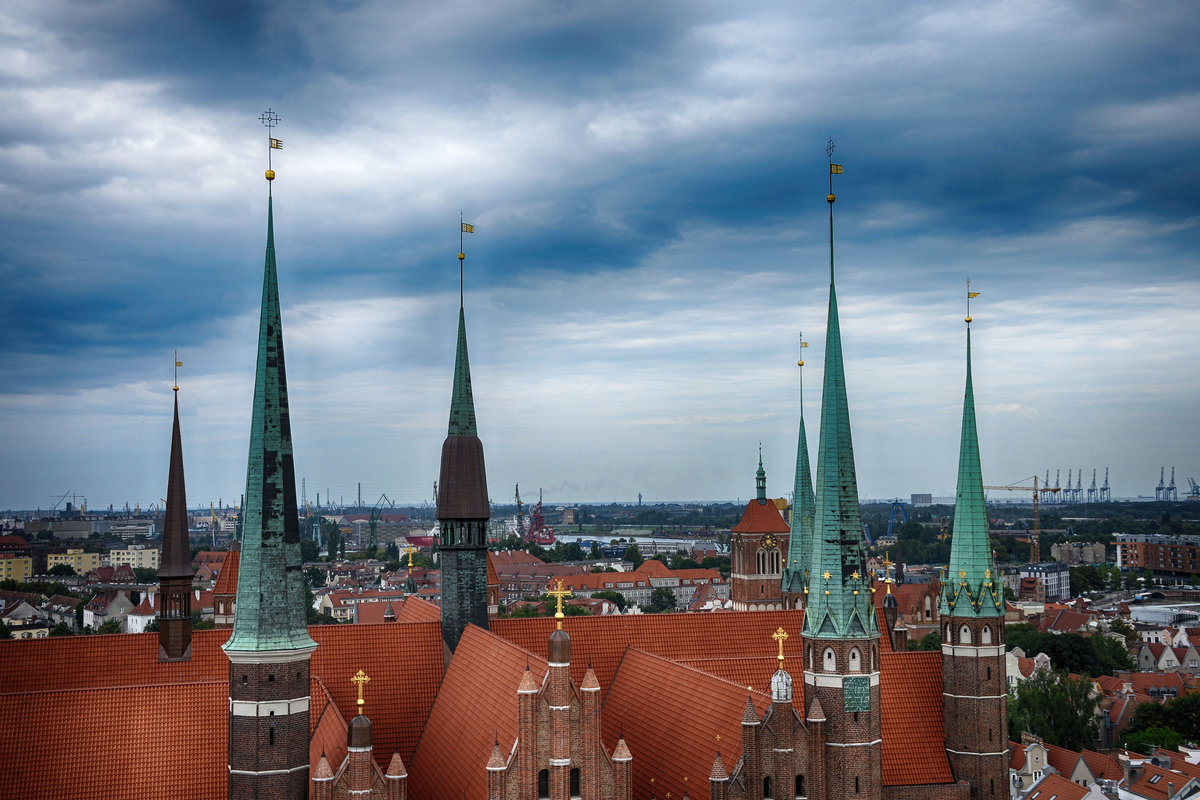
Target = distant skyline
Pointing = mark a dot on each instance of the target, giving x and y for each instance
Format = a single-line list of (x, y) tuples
[(647, 185)]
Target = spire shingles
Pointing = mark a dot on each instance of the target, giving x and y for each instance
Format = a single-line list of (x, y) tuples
[(175, 569)]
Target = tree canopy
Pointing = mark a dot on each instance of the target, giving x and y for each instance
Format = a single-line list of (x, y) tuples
[(1085, 655), (1058, 708)]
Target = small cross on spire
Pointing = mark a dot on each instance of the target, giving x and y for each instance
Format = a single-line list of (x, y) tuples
[(780, 636), (360, 678), (559, 594)]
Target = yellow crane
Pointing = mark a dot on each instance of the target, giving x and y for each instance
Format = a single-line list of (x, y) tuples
[(1035, 553)]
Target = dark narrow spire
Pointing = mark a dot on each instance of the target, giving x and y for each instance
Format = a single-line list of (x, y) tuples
[(971, 588), (175, 570), (760, 480), (839, 599), (270, 597)]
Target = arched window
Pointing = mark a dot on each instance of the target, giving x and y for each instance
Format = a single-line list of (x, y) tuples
[(575, 782), (964, 635), (775, 562), (811, 664), (767, 788), (762, 562), (544, 784), (928, 608), (830, 660), (987, 634), (855, 660), (947, 638)]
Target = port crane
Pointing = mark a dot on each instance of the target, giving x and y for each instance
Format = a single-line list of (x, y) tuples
[(1035, 553)]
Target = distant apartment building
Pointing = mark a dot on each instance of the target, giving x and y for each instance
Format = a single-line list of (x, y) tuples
[(76, 558), (135, 555), (132, 529), (15, 568), (1053, 581), (920, 499), (1173, 555), (1078, 552)]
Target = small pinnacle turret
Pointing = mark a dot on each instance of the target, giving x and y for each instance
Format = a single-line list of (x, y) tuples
[(795, 571)]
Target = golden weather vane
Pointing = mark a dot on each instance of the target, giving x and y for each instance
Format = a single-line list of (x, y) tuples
[(178, 364), (970, 295), (270, 119), (463, 227)]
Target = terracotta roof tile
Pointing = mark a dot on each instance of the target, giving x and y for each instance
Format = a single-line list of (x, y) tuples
[(227, 578), (328, 727), (418, 609), (396, 768), (602, 640), (1016, 755), (761, 518), (675, 736), (476, 706), (910, 689), (753, 672), (1102, 766), (1055, 787)]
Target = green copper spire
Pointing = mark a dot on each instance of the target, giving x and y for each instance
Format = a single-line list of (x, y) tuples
[(462, 403), (839, 604), (803, 507), (971, 588), (270, 593)]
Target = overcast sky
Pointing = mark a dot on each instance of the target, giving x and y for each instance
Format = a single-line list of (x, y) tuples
[(647, 183)]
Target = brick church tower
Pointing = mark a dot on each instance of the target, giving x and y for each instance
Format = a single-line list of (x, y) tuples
[(462, 504), (841, 654), (269, 648), (175, 571), (795, 568), (759, 541), (975, 697)]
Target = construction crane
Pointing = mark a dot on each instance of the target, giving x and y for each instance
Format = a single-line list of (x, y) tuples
[(1193, 493), (1069, 493), (1079, 486), (1105, 490), (374, 544), (521, 511), (1093, 492), (1172, 492), (896, 506), (1035, 552), (1161, 489)]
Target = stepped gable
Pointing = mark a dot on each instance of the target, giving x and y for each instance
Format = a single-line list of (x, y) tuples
[(910, 689), (753, 672), (601, 641), (476, 706), (672, 729)]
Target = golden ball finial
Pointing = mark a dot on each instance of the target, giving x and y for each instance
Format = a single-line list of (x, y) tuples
[(461, 256), (800, 363), (968, 320), (270, 174), (831, 197)]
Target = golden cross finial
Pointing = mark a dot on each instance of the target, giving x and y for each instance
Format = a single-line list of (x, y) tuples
[(718, 738), (779, 636), (887, 572), (410, 550), (559, 594), (361, 679)]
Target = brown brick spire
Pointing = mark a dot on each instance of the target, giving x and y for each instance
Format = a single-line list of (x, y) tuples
[(175, 571)]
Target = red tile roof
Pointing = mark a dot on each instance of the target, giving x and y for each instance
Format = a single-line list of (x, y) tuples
[(910, 689), (1054, 787), (476, 705), (328, 726), (1103, 767), (602, 640), (675, 735), (753, 672), (227, 578), (505, 558), (418, 609), (761, 518)]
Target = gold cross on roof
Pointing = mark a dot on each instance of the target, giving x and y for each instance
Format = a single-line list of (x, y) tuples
[(410, 550), (361, 679), (779, 636), (559, 594)]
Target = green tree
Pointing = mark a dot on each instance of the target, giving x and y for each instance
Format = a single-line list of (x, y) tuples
[(680, 561), (574, 552), (63, 629), (595, 554), (1148, 740), (930, 641), (309, 551), (661, 599), (315, 577), (1123, 627), (109, 626), (610, 595), (145, 574), (63, 570), (633, 556), (5, 632), (1057, 707)]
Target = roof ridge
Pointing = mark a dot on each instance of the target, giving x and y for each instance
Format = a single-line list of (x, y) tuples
[(761, 692)]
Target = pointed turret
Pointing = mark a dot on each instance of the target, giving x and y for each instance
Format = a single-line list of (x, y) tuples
[(795, 571), (462, 506), (269, 649), (175, 569), (971, 588), (839, 598)]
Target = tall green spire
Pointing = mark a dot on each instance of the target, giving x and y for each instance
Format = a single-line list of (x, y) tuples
[(270, 594), (462, 402), (971, 588), (803, 506), (838, 605)]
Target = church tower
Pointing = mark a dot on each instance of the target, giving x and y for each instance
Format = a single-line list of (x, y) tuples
[(841, 670), (462, 502), (175, 571), (269, 648), (795, 570), (759, 540), (975, 700)]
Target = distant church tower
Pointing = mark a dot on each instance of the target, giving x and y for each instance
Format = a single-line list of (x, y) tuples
[(462, 504), (841, 669), (972, 609), (759, 541), (795, 570), (270, 648), (175, 571)]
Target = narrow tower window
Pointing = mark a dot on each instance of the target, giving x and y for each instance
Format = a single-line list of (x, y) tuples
[(964, 635), (575, 782), (767, 788), (855, 660), (830, 660), (799, 786), (544, 784), (987, 634)]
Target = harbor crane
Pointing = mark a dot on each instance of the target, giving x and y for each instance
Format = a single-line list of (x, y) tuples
[(1035, 553)]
